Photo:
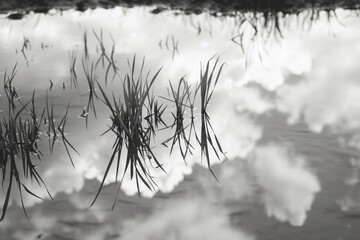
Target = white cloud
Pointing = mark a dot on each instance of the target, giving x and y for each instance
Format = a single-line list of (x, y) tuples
[(322, 102), (185, 219), (59, 176), (236, 183), (175, 170), (250, 99), (287, 191), (41, 225), (273, 175), (70, 217), (288, 187), (237, 132), (328, 95), (277, 63)]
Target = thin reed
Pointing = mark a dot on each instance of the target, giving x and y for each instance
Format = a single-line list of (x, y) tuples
[(209, 78), (91, 78), (127, 124), (180, 97), (73, 75)]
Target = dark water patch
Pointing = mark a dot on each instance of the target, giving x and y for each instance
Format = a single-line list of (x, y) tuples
[(15, 16), (188, 7)]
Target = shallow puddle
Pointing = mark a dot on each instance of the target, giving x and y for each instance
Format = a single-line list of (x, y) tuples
[(281, 127)]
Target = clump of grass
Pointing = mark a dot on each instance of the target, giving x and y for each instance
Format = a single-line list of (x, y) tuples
[(18, 142), (138, 115), (19, 139), (154, 118), (127, 123)]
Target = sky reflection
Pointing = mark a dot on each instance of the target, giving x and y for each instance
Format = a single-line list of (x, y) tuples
[(310, 79)]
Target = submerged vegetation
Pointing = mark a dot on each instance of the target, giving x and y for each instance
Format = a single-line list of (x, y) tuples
[(127, 124), (137, 117), (140, 130), (208, 83)]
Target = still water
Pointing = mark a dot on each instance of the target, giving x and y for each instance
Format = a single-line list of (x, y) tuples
[(286, 110)]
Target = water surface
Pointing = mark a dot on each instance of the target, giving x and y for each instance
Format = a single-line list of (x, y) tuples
[(286, 111)]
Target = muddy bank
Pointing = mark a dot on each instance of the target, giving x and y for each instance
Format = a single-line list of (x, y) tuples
[(186, 6)]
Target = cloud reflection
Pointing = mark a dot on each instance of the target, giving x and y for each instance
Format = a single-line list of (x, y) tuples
[(322, 102), (274, 176), (288, 187), (186, 219), (292, 72), (274, 66)]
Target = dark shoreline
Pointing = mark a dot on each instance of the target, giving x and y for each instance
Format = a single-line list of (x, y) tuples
[(225, 7)]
